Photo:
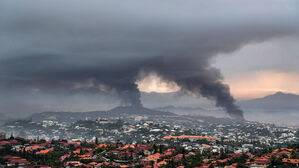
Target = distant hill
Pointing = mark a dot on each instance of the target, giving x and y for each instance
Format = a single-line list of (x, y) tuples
[(278, 101), (171, 108), (183, 110), (116, 112)]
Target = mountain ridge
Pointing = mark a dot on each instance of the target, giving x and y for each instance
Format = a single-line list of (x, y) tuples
[(115, 112), (278, 100)]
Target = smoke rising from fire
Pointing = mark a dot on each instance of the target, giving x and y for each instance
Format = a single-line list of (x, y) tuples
[(99, 46)]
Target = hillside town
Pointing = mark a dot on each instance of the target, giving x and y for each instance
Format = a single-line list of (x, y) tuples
[(146, 140), (171, 152), (152, 130), (143, 142)]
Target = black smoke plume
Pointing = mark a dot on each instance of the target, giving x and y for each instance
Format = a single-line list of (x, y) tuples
[(61, 47)]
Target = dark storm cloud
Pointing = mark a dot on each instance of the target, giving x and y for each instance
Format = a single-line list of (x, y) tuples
[(62, 46)]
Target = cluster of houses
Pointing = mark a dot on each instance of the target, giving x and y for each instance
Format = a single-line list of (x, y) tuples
[(15, 151), (153, 129)]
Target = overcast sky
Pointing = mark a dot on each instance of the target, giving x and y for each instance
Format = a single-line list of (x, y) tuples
[(263, 68), (78, 50)]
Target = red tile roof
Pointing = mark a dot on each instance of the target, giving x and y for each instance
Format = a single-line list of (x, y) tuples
[(292, 161)]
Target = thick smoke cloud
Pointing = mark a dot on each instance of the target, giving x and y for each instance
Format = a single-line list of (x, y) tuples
[(97, 46)]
